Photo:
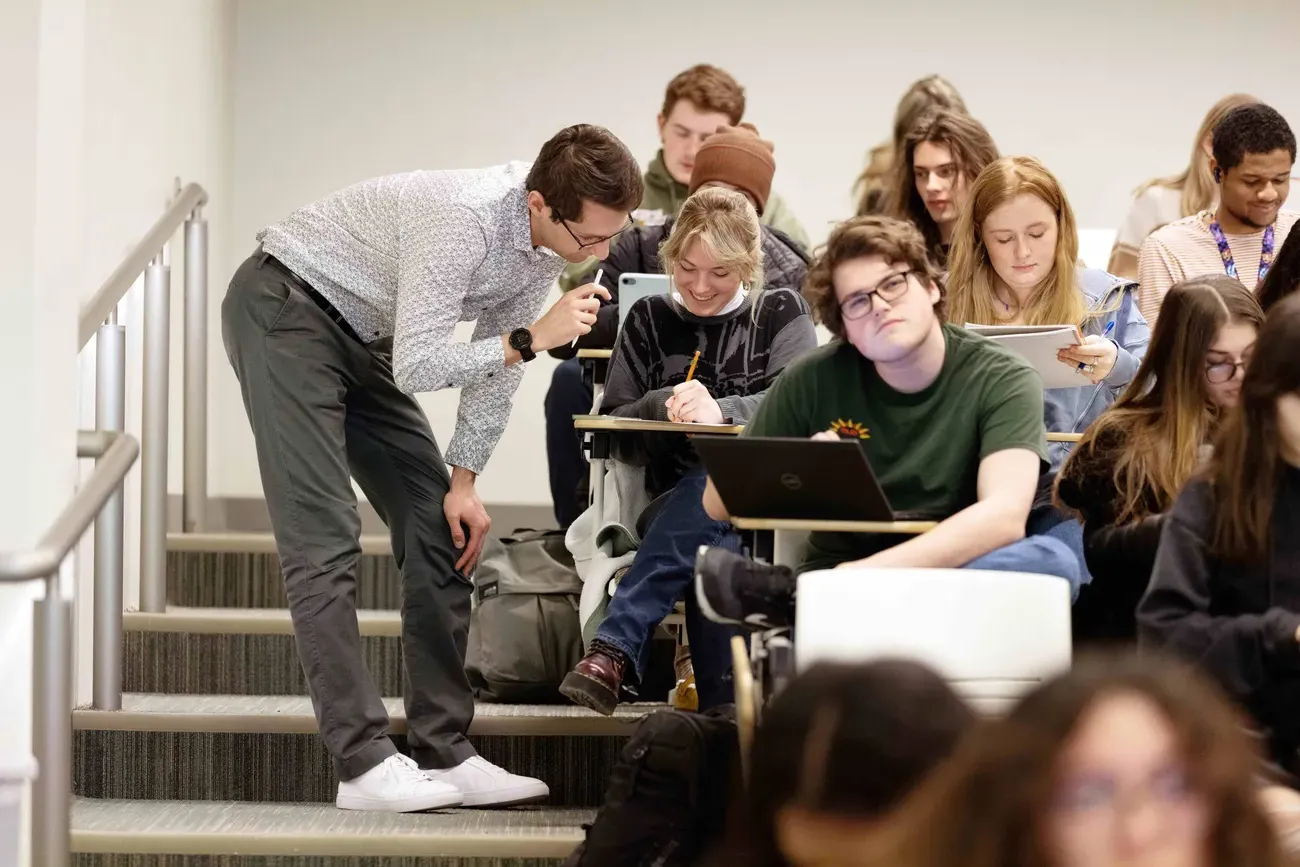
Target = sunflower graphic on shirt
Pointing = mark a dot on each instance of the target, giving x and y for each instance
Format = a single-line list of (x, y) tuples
[(849, 429)]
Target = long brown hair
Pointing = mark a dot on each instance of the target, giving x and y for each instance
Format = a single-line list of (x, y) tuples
[(971, 148), (1247, 460), (933, 91), (1058, 299), (1165, 415), (985, 808), (1196, 181)]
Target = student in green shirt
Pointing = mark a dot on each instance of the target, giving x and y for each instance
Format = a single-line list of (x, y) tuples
[(951, 422)]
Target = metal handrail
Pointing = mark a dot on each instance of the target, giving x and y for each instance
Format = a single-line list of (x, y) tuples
[(52, 675), (119, 451), (105, 301)]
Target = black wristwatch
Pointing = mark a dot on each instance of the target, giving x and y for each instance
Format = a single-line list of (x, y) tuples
[(521, 341)]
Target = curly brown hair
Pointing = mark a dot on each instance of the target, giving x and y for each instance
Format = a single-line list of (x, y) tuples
[(986, 807), (895, 240), (708, 88)]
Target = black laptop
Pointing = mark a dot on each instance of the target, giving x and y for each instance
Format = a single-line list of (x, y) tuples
[(802, 479)]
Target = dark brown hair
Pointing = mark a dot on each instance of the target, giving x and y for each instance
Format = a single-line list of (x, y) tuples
[(985, 808), (972, 149), (1283, 277), (932, 91), (1165, 415), (1247, 460), (843, 739), (585, 163), (897, 241), (708, 88)]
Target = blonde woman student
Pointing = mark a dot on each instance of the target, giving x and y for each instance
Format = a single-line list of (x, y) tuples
[(1162, 200), (1014, 262), (744, 336)]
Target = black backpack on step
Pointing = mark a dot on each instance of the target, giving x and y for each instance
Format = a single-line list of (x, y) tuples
[(667, 797)]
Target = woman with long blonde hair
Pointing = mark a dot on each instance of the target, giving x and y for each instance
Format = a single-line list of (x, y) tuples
[(1014, 261), (1163, 200), (924, 94), (1122, 478), (703, 354)]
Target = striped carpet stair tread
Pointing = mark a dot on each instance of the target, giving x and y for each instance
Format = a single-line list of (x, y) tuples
[(252, 578), (239, 748), (189, 828)]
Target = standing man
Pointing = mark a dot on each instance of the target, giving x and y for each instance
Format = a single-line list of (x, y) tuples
[(343, 313), (1252, 154)]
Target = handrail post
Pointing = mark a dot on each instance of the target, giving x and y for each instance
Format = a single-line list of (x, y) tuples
[(154, 445), (52, 729), (195, 490), (110, 415)]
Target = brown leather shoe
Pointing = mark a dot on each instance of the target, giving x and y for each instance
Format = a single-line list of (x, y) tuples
[(596, 679)]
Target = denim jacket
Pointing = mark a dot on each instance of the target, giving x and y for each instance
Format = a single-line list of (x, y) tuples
[(1071, 410)]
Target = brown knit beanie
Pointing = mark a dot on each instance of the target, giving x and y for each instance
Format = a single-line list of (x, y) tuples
[(736, 155)]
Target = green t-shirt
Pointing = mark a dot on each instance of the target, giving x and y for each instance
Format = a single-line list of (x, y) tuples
[(925, 447)]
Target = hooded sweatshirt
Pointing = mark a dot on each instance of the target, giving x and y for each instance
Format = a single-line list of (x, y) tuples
[(1236, 621)]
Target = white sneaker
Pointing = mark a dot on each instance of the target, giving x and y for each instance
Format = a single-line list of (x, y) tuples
[(483, 784), (396, 785)]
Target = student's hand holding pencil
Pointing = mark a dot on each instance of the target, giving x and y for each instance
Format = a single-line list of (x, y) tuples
[(691, 402)]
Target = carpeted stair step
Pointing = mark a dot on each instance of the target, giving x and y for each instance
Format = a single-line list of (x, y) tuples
[(241, 570), (265, 748), (118, 833)]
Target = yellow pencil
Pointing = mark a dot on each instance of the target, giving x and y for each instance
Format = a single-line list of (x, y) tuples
[(694, 361)]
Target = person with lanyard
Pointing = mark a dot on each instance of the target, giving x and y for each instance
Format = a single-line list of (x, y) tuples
[(345, 311), (1253, 152)]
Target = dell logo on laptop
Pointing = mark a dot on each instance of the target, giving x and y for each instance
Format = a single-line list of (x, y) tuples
[(791, 481)]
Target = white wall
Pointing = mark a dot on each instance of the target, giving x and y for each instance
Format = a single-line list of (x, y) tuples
[(105, 104), (328, 92)]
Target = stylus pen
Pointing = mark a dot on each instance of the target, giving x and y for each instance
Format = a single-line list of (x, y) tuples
[(600, 272)]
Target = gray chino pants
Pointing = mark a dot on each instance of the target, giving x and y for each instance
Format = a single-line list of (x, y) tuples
[(324, 408)]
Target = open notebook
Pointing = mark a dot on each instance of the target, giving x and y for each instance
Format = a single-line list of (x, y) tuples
[(1038, 344)]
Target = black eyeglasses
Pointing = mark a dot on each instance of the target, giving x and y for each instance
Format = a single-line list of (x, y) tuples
[(584, 245), (890, 289), (1220, 372)]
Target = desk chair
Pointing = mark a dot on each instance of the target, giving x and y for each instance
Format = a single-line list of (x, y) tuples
[(993, 635)]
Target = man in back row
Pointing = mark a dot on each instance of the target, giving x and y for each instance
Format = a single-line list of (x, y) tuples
[(696, 103), (344, 312), (951, 422), (1253, 152)]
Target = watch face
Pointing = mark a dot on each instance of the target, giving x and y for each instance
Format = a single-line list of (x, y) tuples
[(521, 338)]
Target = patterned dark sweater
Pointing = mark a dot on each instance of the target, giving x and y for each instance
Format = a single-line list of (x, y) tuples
[(741, 354)]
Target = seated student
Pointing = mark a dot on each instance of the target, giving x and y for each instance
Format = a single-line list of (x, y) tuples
[(951, 422), (1253, 154), (732, 158), (1123, 760), (1123, 476), (1014, 262), (745, 336), (872, 189), (837, 752), (1283, 277), (1161, 201), (696, 102), (942, 155), (1225, 590)]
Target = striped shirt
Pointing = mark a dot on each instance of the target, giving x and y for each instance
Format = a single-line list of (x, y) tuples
[(409, 256), (1185, 248)]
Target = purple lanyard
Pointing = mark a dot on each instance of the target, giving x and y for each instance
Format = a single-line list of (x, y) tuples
[(1225, 252)]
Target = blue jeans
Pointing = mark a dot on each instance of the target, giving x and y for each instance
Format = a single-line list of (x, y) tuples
[(1042, 555), (568, 396), (660, 574), (1050, 521)]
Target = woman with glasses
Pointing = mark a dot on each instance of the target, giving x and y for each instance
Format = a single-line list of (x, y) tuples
[(1123, 476), (1123, 760), (1225, 589)]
